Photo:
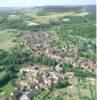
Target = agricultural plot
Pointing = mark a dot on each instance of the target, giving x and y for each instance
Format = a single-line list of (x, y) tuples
[(6, 39), (83, 91)]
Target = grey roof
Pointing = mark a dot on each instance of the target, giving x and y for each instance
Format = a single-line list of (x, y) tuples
[(31, 93)]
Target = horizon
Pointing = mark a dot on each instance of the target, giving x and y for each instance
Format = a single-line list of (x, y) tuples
[(50, 6), (39, 3)]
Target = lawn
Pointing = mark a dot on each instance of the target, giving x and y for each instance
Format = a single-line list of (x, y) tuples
[(6, 39), (2, 73), (7, 89)]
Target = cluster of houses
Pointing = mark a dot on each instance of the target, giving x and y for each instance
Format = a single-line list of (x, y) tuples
[(32, 79), (36, 40), (70, 56), (68, 53)]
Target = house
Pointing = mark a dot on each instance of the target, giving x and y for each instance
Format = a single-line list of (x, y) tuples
[(50, 82), (30, 70), (91, 80), (43, 86), (25, 85), (11, 97), (71, 86), (65, 19), (69, 74), (24, 97), (58, 68), (28, 95), (27, 88), (55, 77)]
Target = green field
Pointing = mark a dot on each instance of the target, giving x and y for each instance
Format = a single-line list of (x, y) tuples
[(6, 39), (7, 89), (77, 92)]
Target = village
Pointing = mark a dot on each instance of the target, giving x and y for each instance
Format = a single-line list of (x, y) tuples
[(67, 53), (36, 78), (48, 53), (71, 57), (32, 79)]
